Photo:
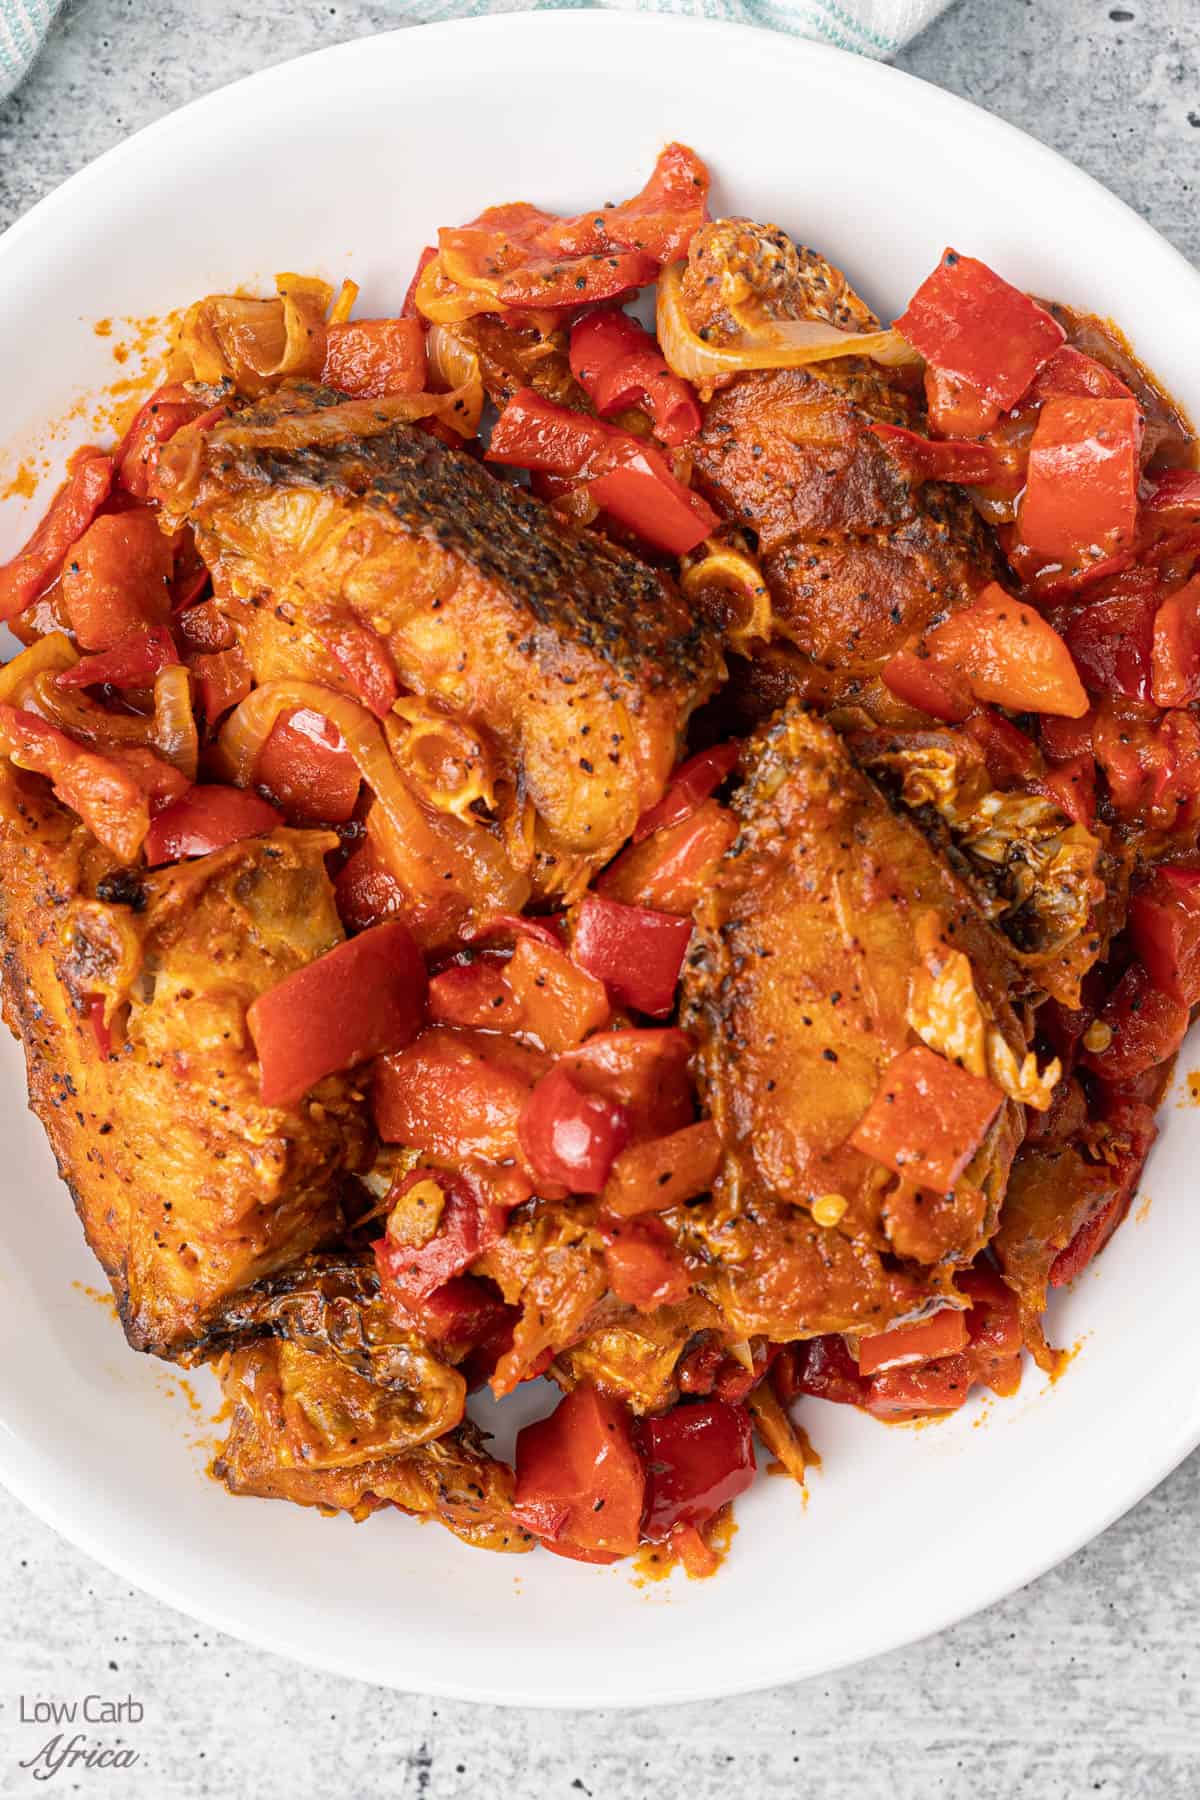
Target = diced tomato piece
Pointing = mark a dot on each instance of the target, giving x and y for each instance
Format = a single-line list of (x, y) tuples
[(368, 358), (108, 796), (579, 1479), (457, 1094), (366, 664), (943, 1333), (366, 891), (984, 342), (1010, 655), (1070, 374), (222, 680), (698, 1457), (474, 993), (943, 459), (1164, 924), (362, 999), (206, 819), (933, 1387), (1112, 642), (689, 787), (133, 661), (560, 1004), (671, 870), (1175, 661), (1151, 763), (1147, 1026), (117, 578), (928, 1118), (571, 1137), (164, 413), (70, 513), (929, 685), (307, 769), (1010, 755), (646, 1072), (635, 951), (620, 365), (650, 1177), (826, 1369), (1079, 508), (467, 1225), (645, 1268)]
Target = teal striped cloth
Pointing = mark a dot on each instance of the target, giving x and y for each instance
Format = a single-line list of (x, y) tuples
[(872, 27)]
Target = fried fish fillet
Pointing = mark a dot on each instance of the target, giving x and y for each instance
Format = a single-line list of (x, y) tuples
[(187, 1186), (829, 916), (582, 664)]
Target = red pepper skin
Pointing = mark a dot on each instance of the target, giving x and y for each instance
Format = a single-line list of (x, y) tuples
[(70, 513), (222, 681), (164, 413), (579, 1480), (690, 785), (943, 459), (1009, 655), (1175, 656), (1072, 787), (569, 1137), (1147, 1025), (1112, 642), (1164, 924), (645, 1268), (469, 1225), (117, 578), (636, 952), (1070, 375), (368, 358), (698, 1457), (362, 999), (206, 819), (1079, 510), (474, 994), (625, 476), (1011, 757), (1176, 491), (644, 1071), (307, 769), (671, 869), (826, 1370), (927, 1119), (133, 661), (620, 365), (929, 685), (984, 342), (456, 1094), (365, 663)]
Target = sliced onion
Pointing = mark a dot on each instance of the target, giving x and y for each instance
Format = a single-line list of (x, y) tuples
[(775, 344), (257, 341), (50, 655), (448, 302), (175, 735), (455, 364)]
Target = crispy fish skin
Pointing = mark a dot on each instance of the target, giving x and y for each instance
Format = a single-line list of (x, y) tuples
[(797, 990), (582, 663), (188, 1188)]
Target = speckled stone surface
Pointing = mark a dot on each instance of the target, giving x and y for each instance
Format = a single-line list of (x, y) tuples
[(1088, 1681)]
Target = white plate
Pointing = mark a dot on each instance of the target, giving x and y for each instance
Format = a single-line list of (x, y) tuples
[(345, 162)]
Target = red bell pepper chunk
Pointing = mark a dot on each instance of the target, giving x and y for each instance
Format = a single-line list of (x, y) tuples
[(458, 1095), (620, 365), (932, 1387), (104, 791), (1010, 656), (362, 999), (666, 1171), (1070, 375), (569, 1137), (645, 1072), (366, 664), (645, 1268), (164, 413), (74, 506), (579, 1479), (824, 1368), (672, 869), (366, 891), (474, 994), (133, 661), (368, 358), (1011, 757), (1175, 657), (1112, 642), (205, 819), (625, 476), (994, 1319), (984, 342), (689, 787), (928, 1118), (698, 1457), (1079, 509), (1176, 490), (636, 952), (1164, 924), (1072, 787), (306, 768), (1147, 1027), (117, 578), (929, 685), (559, 1003), (222, 680), (943, 459), (468, 1224), (943, 1333)]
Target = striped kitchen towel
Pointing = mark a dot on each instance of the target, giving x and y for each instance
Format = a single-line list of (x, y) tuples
[(872, 27)]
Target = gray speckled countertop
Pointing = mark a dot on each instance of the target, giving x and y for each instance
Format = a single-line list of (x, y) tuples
[(1088, 1681)]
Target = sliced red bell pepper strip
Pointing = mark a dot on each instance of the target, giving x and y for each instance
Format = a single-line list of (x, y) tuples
[(1164, 924), (1070, 374), (698, 1457), (983, 339), (559, 1002), (932, 1387), (133, 661), (457, 1094), (164, 413), (579, 1479), (364, 998), (106, 795), (366, 663), (651, 1177), (74, 506), (943, 459), (928, 1118), (117, 578), (306, 768), (689, 787), (1175, 656), (620, 365), (368, 358), (570, 1137), (625, 476), (1147, 1027), (222, 681), (941, 1334), (635, 952), (645, 1072), (467, 1224), (1080, 506), (671, 870), (206, 819), (1010, 656)]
